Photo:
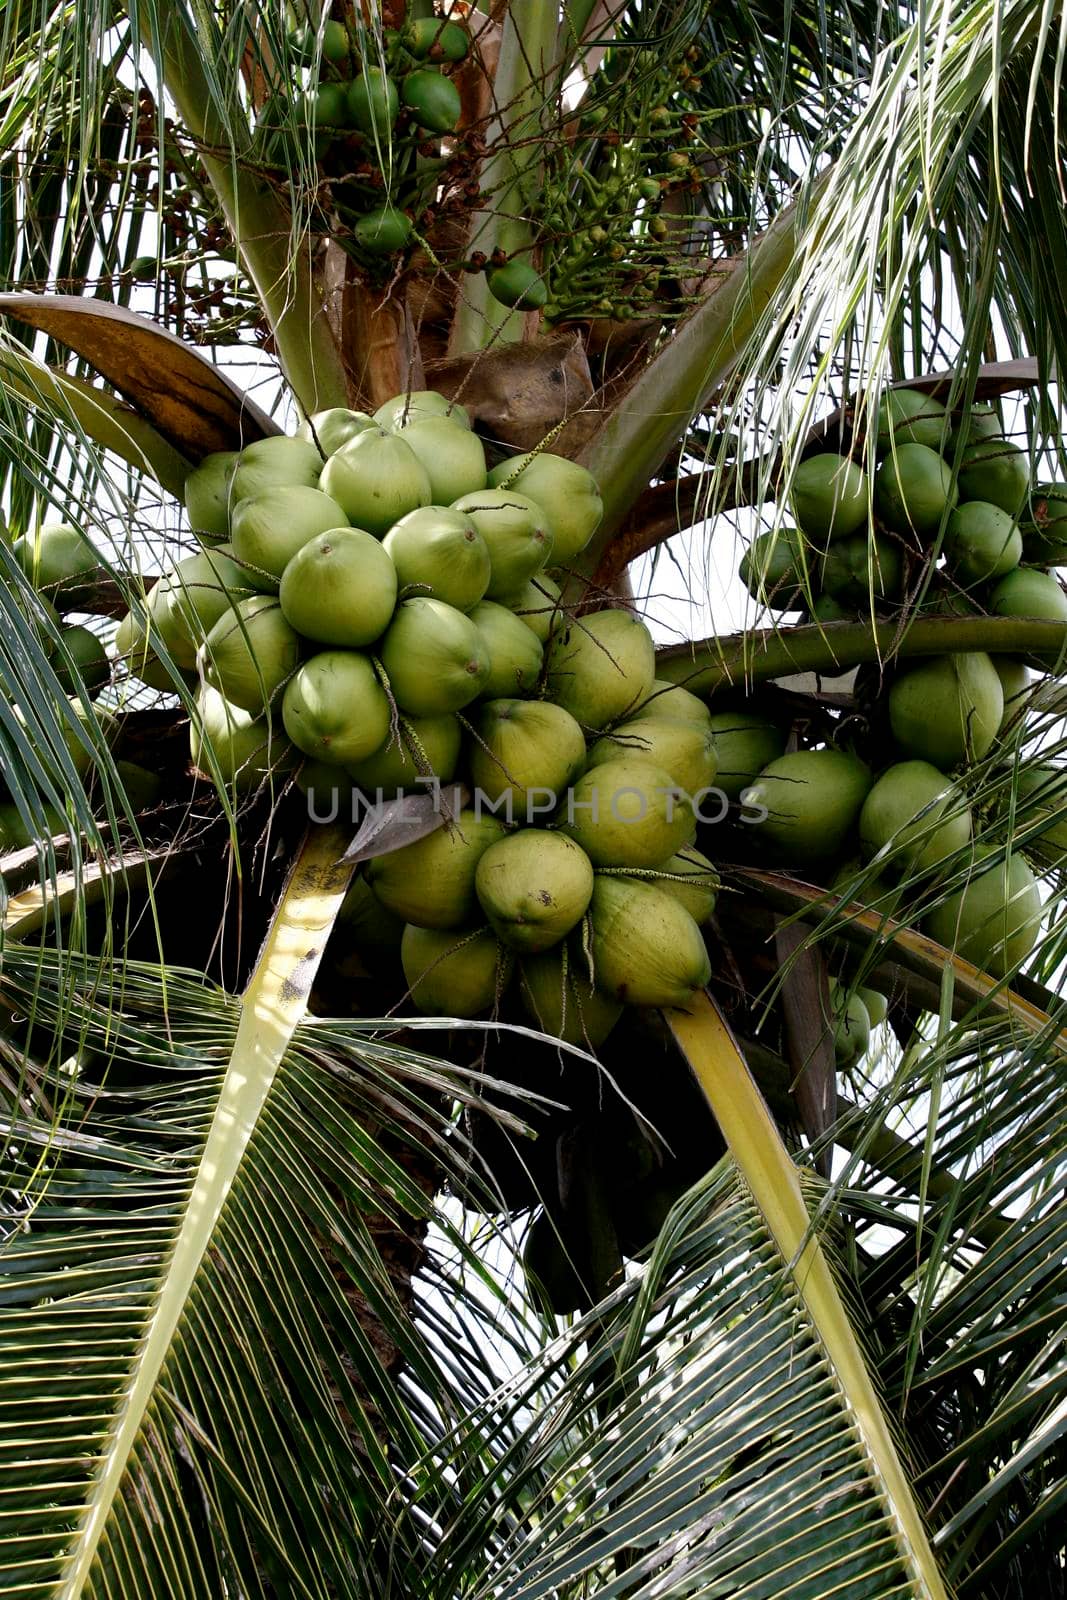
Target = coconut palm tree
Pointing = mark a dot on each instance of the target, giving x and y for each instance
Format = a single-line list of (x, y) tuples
[(266, 1329)]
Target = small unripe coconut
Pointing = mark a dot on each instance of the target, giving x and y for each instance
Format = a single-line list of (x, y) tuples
[(376, 479), (1042, 793), (647, 950), (207, 494), (82, 726), (915, 816), (383, 231), (565, 491), (515, 653), (628, 813), (423, 747), (250, 653), (453, 974), (692, 880), (852, 1025), (340, 589), (997, 471), (435, 658), (876, 1003), (82, 651), (906, 416), (248, 750), (745, 743), (994, 920), (133, 647), (858, 570), (913, 488), (813, 798), (273, 463), (527, 751), (981, 542), (537, 604), (433, 100), (452, 456), (947, 711), (777, 568), (56, 554), (402, 408), (374, 931), (1015, 682), (559, 1000), (440, 552), (669, 702), (534, 886), (1029, 593), (602, 667), (517, 533), (430, 36), (517, 284), (431, 882), (330, 791), (270, 528), (829, 498), (373, 102), (334, 708), (329, 430), (188, 602), (684, 750)]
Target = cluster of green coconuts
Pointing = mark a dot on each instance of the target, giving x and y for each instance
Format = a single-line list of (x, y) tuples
[(375, 614), (945, 490)]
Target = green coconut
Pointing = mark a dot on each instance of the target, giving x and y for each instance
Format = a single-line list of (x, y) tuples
[(248, 750), (430, 36), (826, 608), (557, 1281), (860, 570), (517, 284), (683, 749), (270, 528), (981, 542), (525, 753), (143, 789), (374, 931), (432, 881), (373, 102), (690, 878), (905, 416), (207, 494), (329, 430), (435, 658), (538, 605), (812, 799), (559, 1000), (515, 652), (997, 471), (913, 488), (340, 589), (274, 463), (440, 552), (876, 1003), (565, 491), (602, 667), (776, 568), (947, 711), (1015, 682), (517, 533), (383, 231), (133, 647), (250, 653), (669, 702), (994, 920), (452, 456), (628, 812), (330, 791), (745, 743), (647, 950), (1026, 592), (980, 422), (39, 614), (376, 478), (829, 498), (1042, 794), (852, 1024), (1044, 526), (422, 747), (334, 708), (56, 554), (16, 835), (534, 886), (402, 408), (913, 819), (81, 654), (188, 602), (453, 973), (433, 100)]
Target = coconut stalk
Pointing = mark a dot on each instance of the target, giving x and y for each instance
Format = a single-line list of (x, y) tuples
[(738, 660), (526, 64), (279, 265)]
